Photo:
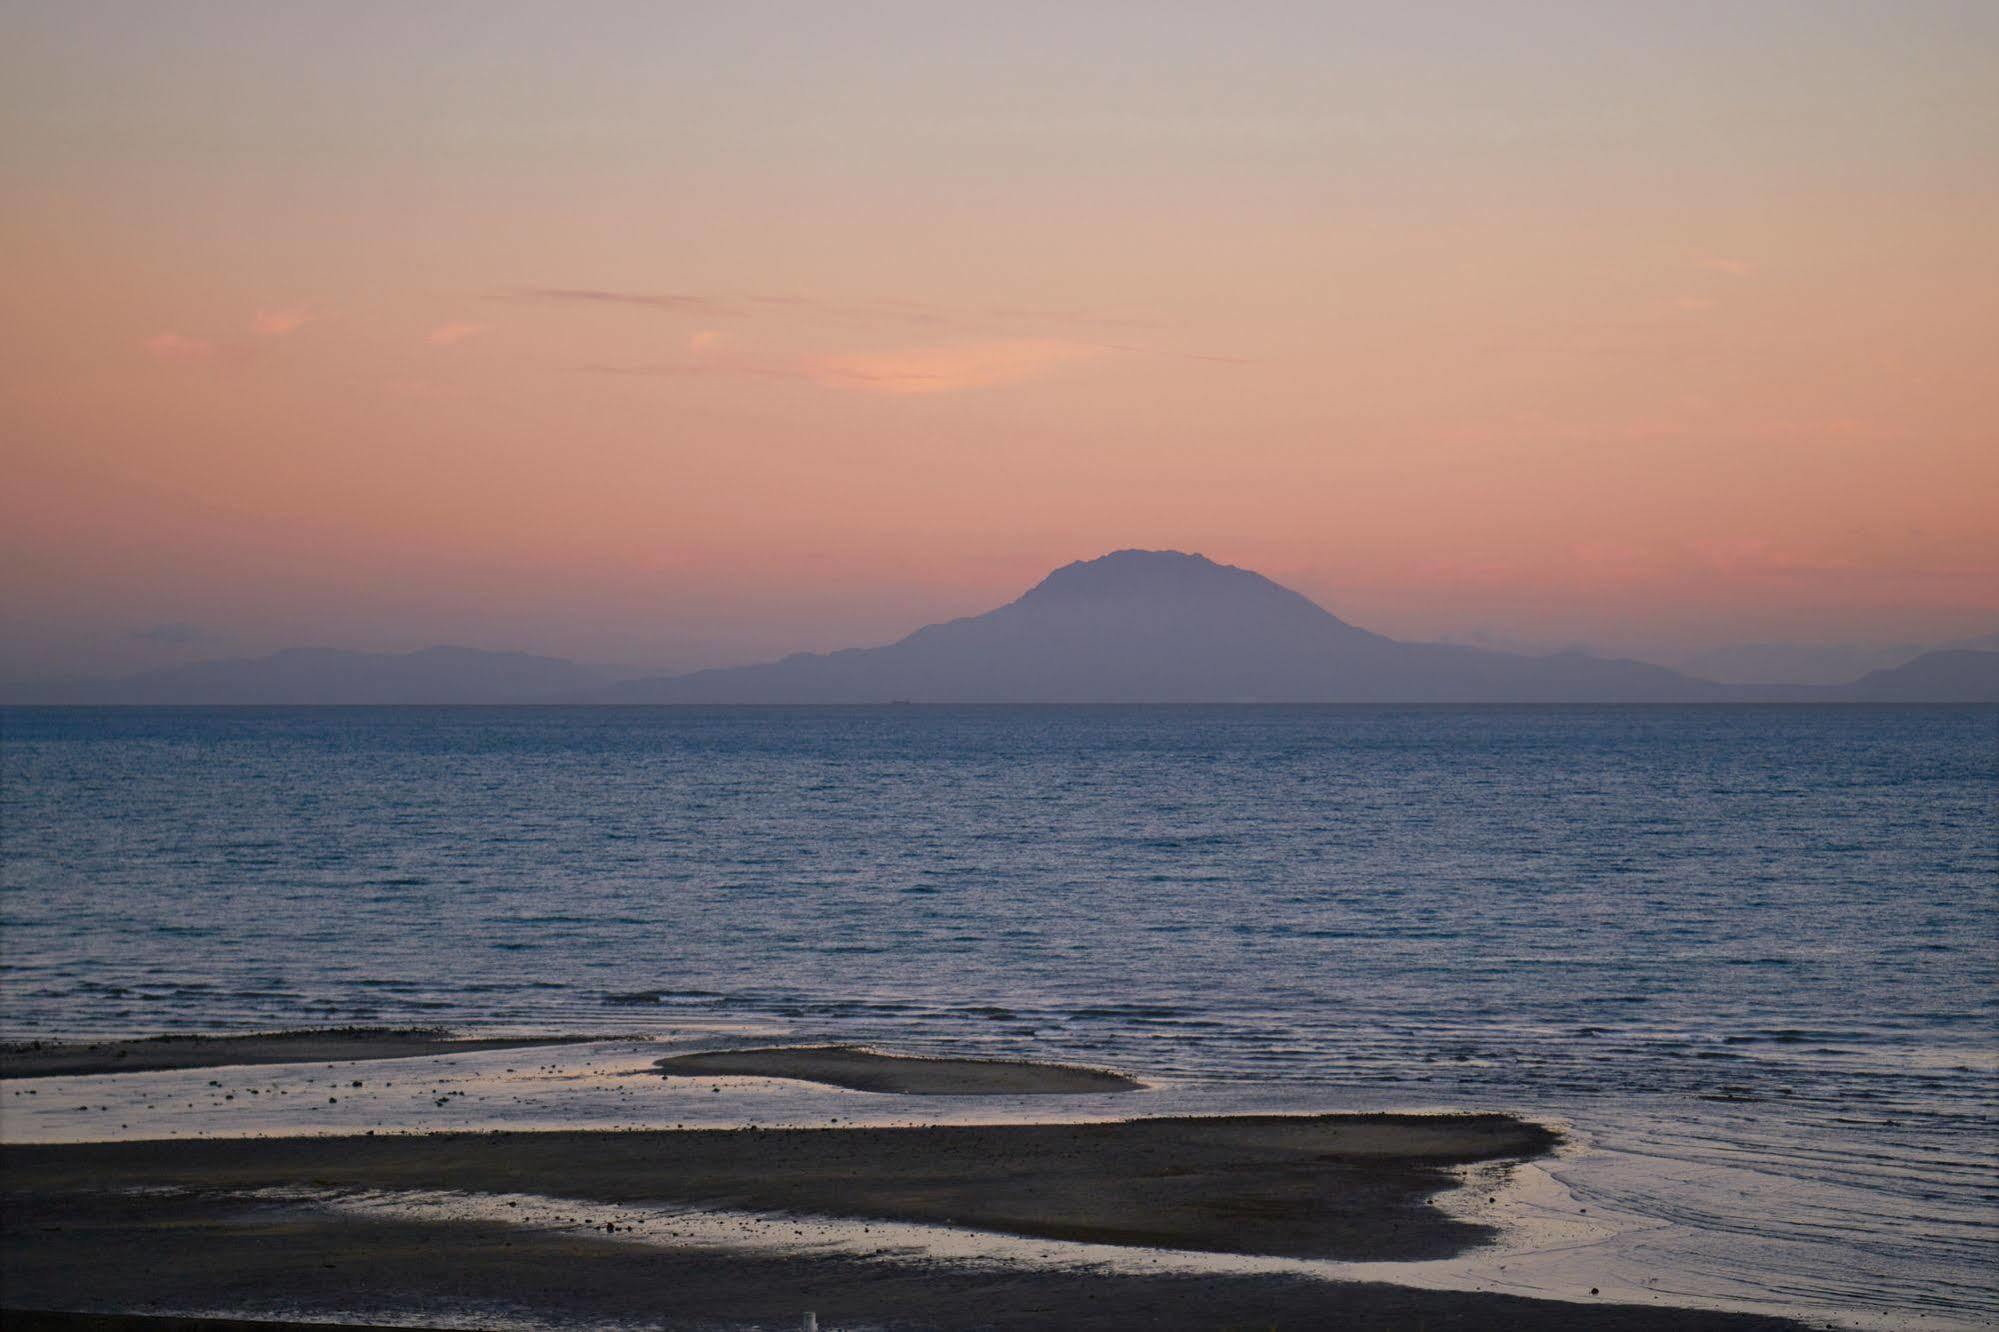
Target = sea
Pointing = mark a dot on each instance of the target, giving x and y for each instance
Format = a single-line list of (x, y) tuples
[(1747, 957)]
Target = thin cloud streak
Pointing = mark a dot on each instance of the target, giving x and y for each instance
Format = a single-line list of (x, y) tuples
[(1216, 358), (906, 372), (176, 634), (676, 301), (278, 323), (928, 370), (694, 370), (175, 347), (450, 335), (754, 304)]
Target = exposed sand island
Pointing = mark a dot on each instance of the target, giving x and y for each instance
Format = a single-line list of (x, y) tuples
[(266, 1227), (1322, 1186), (908, 1075), (41, 1059), (191, 1230)]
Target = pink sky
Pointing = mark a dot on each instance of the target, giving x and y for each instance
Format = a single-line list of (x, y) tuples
[(666, 336)]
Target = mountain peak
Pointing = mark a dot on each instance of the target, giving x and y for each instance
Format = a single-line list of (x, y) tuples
[(1162, 626), (1126, 573)]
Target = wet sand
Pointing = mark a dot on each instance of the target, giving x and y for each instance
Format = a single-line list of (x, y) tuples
[(46, 1320), (1333, 1186), (40, 1059), (469, 1276), (908, 1075), (190, 1232)]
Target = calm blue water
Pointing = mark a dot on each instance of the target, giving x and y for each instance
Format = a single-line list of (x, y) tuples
[(1771, 932)]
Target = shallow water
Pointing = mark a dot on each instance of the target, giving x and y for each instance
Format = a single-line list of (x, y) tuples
[(1752, 954)]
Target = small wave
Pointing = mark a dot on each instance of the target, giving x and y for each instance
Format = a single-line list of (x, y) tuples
[(641, 998), (1127, 1012)]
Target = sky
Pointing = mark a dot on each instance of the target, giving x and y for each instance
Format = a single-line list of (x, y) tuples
[(671, 335)]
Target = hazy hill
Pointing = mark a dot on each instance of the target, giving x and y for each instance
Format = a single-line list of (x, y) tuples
[(1810, 663), (1158, 627), (328, 675), (1957, 676)]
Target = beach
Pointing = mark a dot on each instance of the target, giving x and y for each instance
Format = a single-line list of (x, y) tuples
[(557, 1227)]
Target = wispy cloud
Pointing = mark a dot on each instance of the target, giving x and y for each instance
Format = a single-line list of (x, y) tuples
[(175, 347), (702, 369), (1213, 357), (916, 314), (277, 323), (949, 369), (176, 634), (1763, 557), (908, 372), (1716, 263), (447, 335), (731, 306), (651, 300)]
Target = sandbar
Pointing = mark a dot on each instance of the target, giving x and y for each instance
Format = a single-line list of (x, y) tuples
[(857, 1069), (191, 1229), (1319, 1186), (41, 1059)]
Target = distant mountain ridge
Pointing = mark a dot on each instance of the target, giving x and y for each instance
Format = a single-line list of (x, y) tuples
[(1165, 627), (1829, 664), (1133, 626), (1957, 675)]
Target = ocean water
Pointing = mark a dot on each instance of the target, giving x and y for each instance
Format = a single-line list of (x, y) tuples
[(1750, 955)]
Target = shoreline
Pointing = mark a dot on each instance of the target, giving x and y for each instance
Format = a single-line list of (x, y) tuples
[(154, 1054)]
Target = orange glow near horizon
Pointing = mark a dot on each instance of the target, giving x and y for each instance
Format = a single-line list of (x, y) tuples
[(673, 337)]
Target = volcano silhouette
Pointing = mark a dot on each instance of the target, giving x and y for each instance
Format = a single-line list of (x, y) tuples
[(1143, 626)]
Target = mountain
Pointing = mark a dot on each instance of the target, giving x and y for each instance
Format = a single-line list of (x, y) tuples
[(1795, 663), (327, 675), (1134, 626), (1163, 627), (1957, 676), (1809, 663)]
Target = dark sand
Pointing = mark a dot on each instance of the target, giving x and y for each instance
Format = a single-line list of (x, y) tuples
[(42, 1059), (908, 1075), (274, 1265), (1335, 1186)]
